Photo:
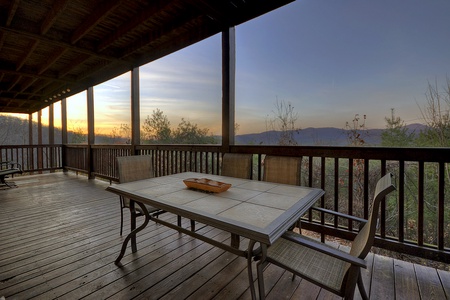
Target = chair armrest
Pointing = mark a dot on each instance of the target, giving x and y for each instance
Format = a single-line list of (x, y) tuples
[(299, 239), (4, 163), (339, 214)]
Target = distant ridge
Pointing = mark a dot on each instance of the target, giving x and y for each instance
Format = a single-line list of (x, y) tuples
[(324, 136)]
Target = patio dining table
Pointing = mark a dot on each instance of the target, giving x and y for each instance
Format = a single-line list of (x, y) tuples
[(256, 210)]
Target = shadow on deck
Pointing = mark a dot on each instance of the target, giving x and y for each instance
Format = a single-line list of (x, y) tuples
[(60, 236)]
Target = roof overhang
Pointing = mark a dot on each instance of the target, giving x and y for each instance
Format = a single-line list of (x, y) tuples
[(52, 49)]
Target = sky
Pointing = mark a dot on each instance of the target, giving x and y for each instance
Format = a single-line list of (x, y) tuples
[(330, 59)]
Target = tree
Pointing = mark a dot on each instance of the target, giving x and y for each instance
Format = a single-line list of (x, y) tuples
[(77, 135), (436, 114), (14, 131), (188, 133), (356, 132), (396, 133), (284, 121), (121, 134), (157, 130), (157, 127)]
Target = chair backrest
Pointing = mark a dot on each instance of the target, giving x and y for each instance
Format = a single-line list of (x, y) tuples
[(237, 165), (364, 240), (282, 169), (132, 168)]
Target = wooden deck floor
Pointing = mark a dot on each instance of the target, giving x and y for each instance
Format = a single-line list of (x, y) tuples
[(59, 236)]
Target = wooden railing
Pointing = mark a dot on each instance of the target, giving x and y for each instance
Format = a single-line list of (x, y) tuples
[(33, 158), (415, 219)]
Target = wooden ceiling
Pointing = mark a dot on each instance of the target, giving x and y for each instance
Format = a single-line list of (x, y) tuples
[(52, 49)]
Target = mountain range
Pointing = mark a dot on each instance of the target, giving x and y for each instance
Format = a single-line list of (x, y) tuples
[(324, 136)]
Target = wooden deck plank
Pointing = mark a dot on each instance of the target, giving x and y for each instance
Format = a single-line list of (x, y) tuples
[(430, 286), (60, 237), (285, 287), (78, 270), (406, 287), (173, 272), (187, 267), (219, 281), (190, 285), (383, 280), (445, 280), (135, 267), (366, 276)]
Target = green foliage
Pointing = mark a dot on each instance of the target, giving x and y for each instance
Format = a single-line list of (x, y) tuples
[(188, 133), (157, 130), (396, 133), (77, 136), (436, 114)]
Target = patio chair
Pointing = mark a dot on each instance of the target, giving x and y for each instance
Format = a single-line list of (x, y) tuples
[(323, 265), (132, 168), (237, 165), (5, 171), (282, 169)]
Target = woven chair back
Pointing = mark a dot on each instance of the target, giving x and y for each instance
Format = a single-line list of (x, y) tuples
[(132, 168), (237, 165), (364, 240), (282, 169)]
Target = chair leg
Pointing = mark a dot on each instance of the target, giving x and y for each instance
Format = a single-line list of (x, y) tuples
[(361, 288), (121, 217), (260, 270)]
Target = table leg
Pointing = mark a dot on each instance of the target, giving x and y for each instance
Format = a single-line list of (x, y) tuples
[(132, 235), (235, 240), (251, 244), (133, 218)]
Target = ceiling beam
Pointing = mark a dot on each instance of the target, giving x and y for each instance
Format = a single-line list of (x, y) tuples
[(57, 8), (56, 55), (164, 31), (100, 12), (29, 50), (34, 75), (132, 24), (58, 43), (12, 11), (13, 84), (76, 62)]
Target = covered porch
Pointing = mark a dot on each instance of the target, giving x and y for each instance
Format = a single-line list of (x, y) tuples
[(60, 231), (60, 237)]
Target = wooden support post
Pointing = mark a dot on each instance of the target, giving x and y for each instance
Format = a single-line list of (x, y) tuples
[(228, 87), (40, 153), (135, 113), (64, 137), (30, 142), (91, 132), (51, 138)]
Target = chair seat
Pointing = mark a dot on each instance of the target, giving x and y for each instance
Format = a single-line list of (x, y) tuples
[(317, 267)]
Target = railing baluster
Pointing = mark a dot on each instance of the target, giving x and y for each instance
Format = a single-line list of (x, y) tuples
[(366, 189), (336, 190), (350, 181), (441, 206), (420, 204), (401, 202), (382, 205)]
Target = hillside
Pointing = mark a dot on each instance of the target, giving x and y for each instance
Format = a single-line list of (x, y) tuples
[(326, 136)]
